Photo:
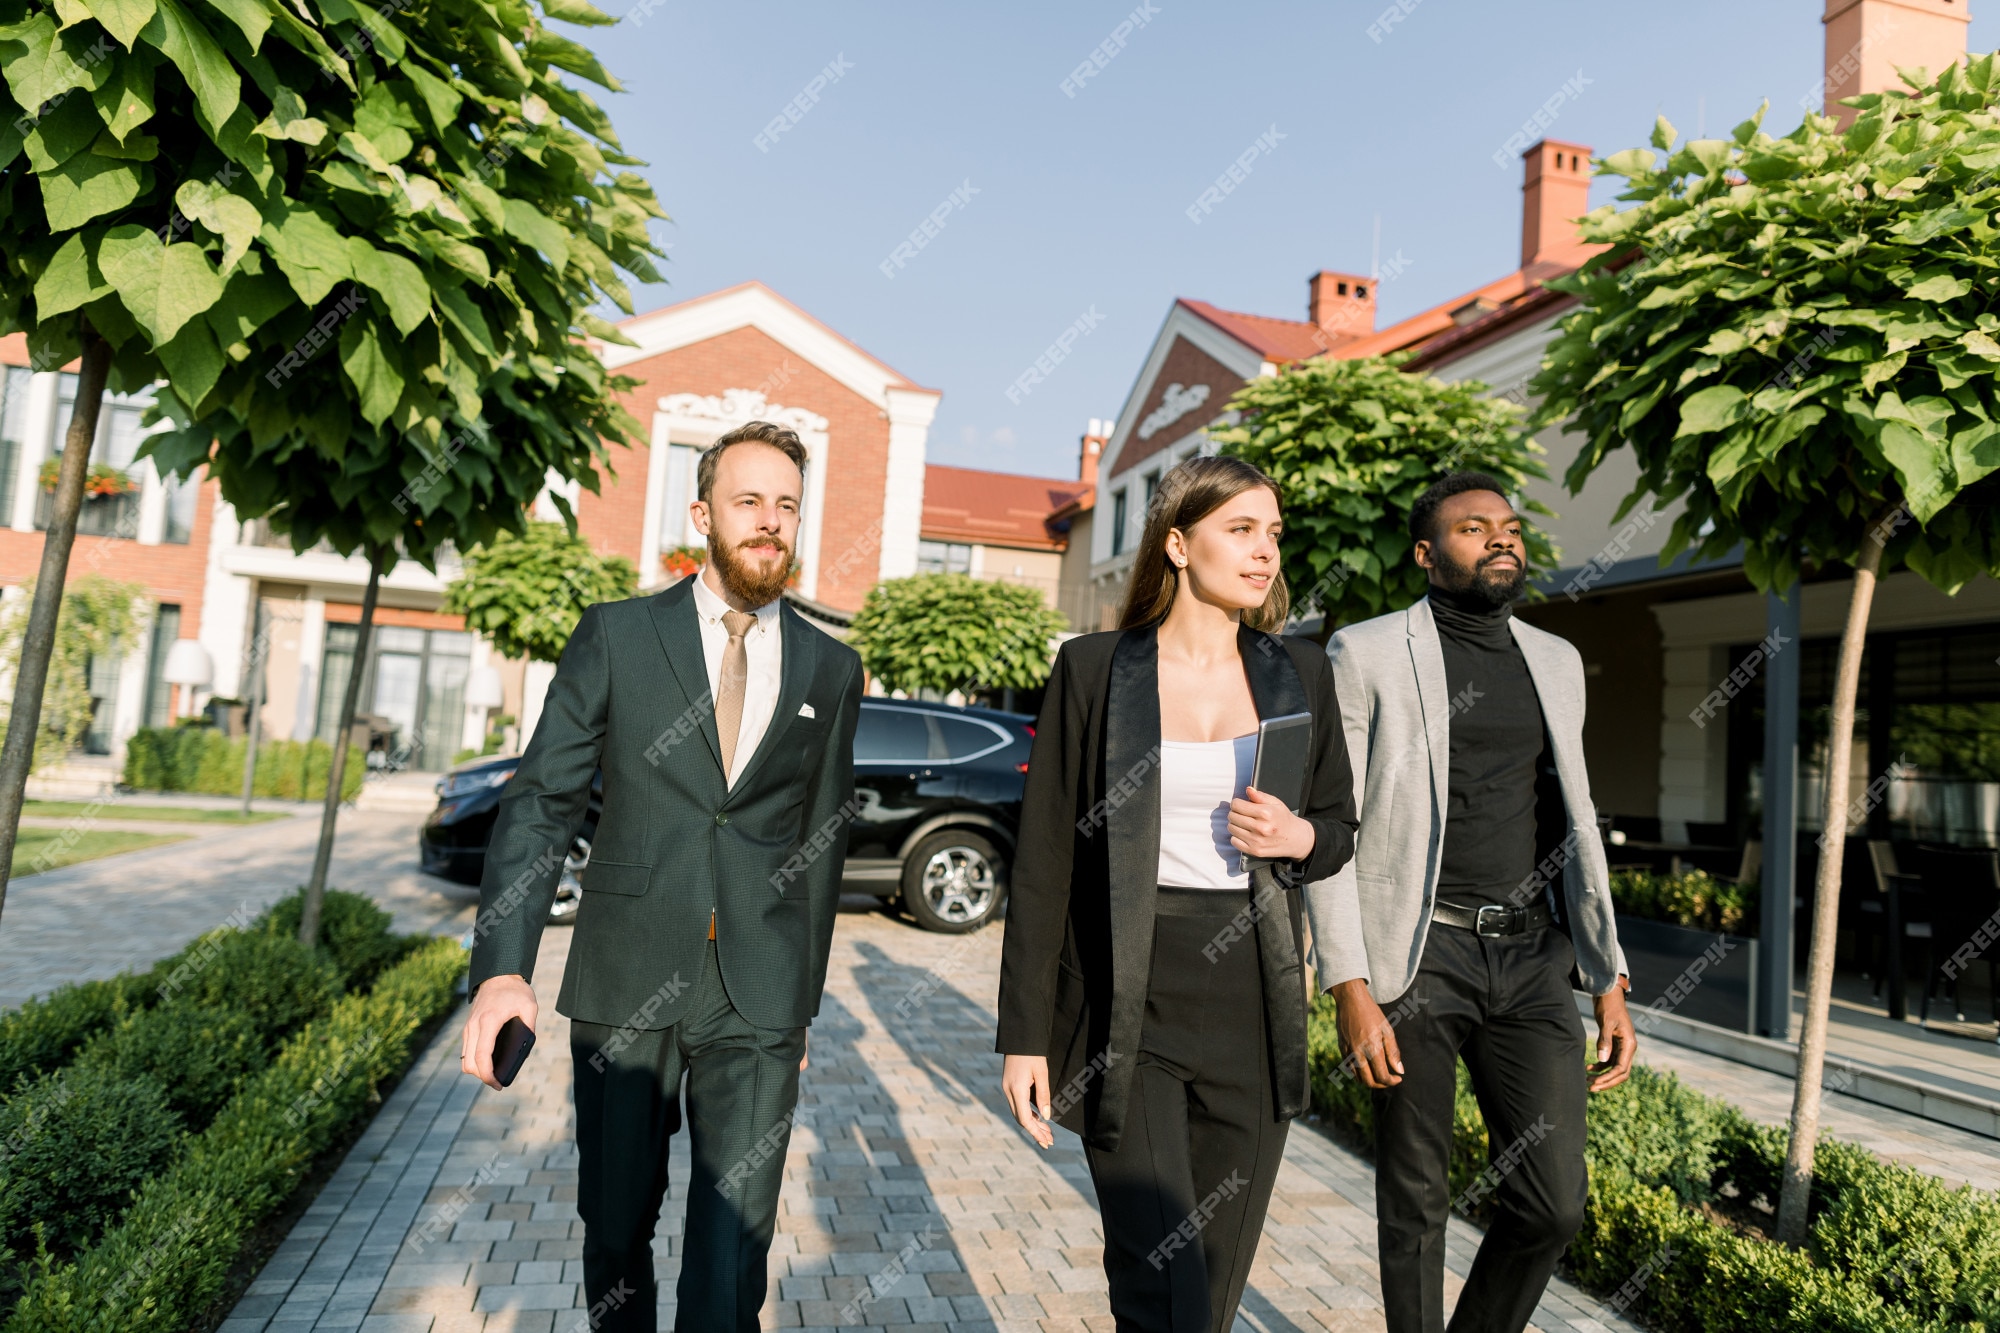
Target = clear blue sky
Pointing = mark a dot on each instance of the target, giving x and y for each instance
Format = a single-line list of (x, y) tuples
[(1080, 202)]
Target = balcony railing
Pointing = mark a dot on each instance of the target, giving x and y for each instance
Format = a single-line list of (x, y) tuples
[(101, 515)]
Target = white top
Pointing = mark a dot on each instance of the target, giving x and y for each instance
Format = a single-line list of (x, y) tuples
[(763, 650), (1198, 780)]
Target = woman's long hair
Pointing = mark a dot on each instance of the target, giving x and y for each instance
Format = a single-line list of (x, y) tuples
[(1191, 492)]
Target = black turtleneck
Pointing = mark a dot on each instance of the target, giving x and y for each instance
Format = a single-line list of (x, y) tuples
[(1501, 770)]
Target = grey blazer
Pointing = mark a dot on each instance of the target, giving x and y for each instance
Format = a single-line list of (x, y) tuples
[(1371, 917)]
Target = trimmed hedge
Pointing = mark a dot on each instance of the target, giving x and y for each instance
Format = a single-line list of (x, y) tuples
[(167, 1260), (202, 759), (197, 1055), (78, 1143), (1891, 1248), (43, 1033), (352, 929)]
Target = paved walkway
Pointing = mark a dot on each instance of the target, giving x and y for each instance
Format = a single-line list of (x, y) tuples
[(911, 1200), (99, 918)]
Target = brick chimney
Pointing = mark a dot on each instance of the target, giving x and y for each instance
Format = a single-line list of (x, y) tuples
[(1867, 39), (1342, 304), (1554, 194), (1095, 437)]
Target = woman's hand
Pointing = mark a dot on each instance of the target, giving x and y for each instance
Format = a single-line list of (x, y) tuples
[(1261, 825), (1025, 1078)]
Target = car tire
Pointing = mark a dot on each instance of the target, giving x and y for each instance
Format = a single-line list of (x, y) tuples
[(954, 881)]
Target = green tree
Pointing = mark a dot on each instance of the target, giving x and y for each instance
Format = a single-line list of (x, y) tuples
[(101, 618), (525, 593), (949, 632), (1794, 337), (360, 243), (1353, 444)]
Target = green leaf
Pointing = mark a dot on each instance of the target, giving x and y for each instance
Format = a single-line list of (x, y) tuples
[(123, 19), (395, 279), (1975, 452), (125, 102), (70, 280), (1980, 344), (309, 250), (252, 19), (528, 223), (90, 186), (1714, 408), (163, 286), (1880, 372), (577, 11), (62, 133), (375, 378), (253, 296), (439, 97), (1939, 287), (41, 64), (195, 54), (194, 363), (1919, 466), (232, 217), (288, 120), (1664, 133)]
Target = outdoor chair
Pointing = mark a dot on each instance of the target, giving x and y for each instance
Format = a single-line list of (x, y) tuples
[(1963, 885), (1872, 914)]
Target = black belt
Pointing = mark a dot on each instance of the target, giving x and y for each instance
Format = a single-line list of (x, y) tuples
[(1493, 919)]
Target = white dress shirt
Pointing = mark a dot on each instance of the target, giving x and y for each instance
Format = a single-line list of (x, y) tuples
[(1198, 780), (763, 649)]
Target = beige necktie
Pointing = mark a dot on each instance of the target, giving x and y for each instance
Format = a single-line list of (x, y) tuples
[(729, 693)]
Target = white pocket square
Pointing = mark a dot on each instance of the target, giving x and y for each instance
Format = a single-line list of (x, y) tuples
[(806, 710)]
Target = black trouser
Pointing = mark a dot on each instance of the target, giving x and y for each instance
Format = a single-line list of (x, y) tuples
[(1504, 1004), (1184, 1194), (742, 1087)]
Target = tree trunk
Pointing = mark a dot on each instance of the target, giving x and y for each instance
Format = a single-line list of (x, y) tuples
[(1796, 1182), (254, 702), (336, 768), (24, 725)]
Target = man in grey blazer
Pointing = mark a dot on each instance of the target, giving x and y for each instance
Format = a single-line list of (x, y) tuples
[(1476, 898), (724, 724)]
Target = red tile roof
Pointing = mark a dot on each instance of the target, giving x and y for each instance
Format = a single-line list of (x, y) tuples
[(1273, 339), (998, 508)]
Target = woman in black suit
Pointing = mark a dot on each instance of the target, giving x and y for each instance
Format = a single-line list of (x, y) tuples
[(1151, 993)]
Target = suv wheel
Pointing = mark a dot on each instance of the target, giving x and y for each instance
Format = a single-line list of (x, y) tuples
[(954, 881), (569, 887)]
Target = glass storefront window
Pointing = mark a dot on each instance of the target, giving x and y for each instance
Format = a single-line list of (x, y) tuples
[(414, 690)]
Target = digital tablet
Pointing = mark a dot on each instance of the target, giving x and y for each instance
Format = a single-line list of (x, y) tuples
[(1284, 757)]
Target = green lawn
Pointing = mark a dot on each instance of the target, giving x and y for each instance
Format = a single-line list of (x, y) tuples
[(179, 814), (32, 843)]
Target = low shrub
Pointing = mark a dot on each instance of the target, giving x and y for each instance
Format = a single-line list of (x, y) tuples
[(352, 929), (169, 1257), (275, 980), (43, 1033), (196, 1054), (74, 1145), (1693, 898), (202, 759)]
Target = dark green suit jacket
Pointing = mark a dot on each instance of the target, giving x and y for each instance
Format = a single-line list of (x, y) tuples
[(631, 694)]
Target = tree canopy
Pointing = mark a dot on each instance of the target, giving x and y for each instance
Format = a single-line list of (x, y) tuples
[(954, 632), (1794, 337), (525, 593), (1353, 444)]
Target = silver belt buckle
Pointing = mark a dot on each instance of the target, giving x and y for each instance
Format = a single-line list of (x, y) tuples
[(1502, 918)]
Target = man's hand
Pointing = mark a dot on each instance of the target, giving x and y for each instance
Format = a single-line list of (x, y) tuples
[(499, 999), (1025, 1079), (1262, 825), (1367, 1041), (1617, 1043), (804, 1054)]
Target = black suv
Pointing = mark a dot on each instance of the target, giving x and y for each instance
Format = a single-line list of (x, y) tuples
[(938, 791)]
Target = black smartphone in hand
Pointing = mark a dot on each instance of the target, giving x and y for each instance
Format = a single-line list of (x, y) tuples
[(510, 1050)]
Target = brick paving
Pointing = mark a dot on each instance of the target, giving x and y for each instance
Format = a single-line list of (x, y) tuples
[(910, 1201)]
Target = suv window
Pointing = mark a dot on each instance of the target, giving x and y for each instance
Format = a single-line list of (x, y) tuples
[(964, 738), (891, 736)]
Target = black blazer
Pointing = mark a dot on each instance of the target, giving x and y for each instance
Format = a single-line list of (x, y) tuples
[(675, 840), (1078, 951)]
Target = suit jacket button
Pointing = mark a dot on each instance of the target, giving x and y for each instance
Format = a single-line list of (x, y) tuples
[(722, 819)]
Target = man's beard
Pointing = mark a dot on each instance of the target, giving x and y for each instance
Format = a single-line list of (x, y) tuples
[(1495, 585), (752, 581)]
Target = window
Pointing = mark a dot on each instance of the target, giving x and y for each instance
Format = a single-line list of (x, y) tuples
[(944, 558), (415, 684), (1118, 521), (159, 694), (676, 528), (13, 430), (116, 445), (1152, 487), (181, 499), (891, 736), (102, 673), (965, 739)]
